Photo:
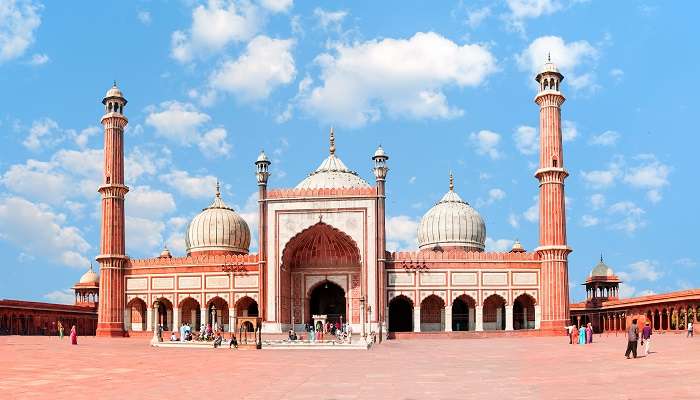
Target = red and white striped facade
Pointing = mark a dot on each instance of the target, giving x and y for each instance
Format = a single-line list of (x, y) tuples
[(309, 237)]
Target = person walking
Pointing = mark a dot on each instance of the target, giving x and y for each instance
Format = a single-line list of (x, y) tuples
[(582, 335), (646, 338), (589, 333), (632, 337), (60, 330), (690, 329), (573, 335), (73, 335)]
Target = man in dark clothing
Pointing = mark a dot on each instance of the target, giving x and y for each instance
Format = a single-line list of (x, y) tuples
[(632, 336)]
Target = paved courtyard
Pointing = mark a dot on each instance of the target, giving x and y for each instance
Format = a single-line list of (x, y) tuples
[(503, 368)]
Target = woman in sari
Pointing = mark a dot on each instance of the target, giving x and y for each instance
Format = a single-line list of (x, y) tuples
[(60, 330), (582, 335), (73, 335), (589, 333), (574, 334)]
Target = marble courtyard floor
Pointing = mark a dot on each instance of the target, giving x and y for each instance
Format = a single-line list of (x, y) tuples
[(496, 368)]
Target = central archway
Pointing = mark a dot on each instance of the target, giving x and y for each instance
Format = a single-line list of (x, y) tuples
[(400, 314), (328, 299)]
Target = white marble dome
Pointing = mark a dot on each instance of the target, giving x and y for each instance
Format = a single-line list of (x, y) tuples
[(218, 228), (90, 276), (332, 173), (452, 223)]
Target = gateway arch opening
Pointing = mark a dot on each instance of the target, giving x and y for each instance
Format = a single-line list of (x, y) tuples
[(328, 299)]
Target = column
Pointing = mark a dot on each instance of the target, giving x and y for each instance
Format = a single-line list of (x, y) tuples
[(472, 320), (204, 316), (149, 318), (509, 317), (127, 319), (231, 319), (176, 319), (538, 315), (479, 318), (416, 319), (447, 313)]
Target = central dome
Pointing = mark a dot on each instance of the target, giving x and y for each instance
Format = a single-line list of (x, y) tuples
[(601, 270), (452, 223), (332, 173), (218, 228)]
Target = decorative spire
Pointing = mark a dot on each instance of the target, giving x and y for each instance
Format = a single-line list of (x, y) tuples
[(549, 57), (114, 84), (601, 257), (332, 147), (218, 192), (90, 269), (452, 182)]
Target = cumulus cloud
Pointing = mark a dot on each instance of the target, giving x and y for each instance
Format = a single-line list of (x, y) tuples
[(526, 140), (686, 262), (574, 59), (589, 220), (36, 229), (145, 202), (643, 270), (650, 174), (214, 26), (514, 220), (18, 21), (400, 77), (277, 6), (63, 296), (329, 19), (39, 59), (477, 16), (183, 123), (144, 17), (521, 10), (597, 201), (628, 217), (402, 233), (42, 134), (196, 187), (607, 138), (143, 236), (486, 142), (494, 195), (532, 214), (498, 245), (569, 131), (266, 64)]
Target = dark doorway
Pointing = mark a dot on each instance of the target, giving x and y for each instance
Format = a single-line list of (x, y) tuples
[(400, 314), (328, 299), (460, 313)]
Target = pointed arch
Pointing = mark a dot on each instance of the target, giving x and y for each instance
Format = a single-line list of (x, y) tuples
[(494, 313), (400, 314), (320, 245)]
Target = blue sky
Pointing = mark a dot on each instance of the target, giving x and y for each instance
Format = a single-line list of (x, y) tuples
[(442, 86)]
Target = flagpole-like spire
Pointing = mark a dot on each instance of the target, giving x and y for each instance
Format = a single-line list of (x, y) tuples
[(452, 181), (332, 147)]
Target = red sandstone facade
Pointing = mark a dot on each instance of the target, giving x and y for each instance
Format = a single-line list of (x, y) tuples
[(322, 250)]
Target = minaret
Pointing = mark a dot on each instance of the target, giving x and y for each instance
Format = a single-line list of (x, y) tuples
[(262, 173), (380, 172), (553, 251), (112, 257)]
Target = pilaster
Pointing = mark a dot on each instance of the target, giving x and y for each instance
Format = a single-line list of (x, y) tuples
[(479, 318)]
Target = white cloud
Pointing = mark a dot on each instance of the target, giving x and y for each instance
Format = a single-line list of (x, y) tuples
[(597, 201), (600, 179), (43, 133), (249, 212), (521, 10), (651, 174), (643, 270), (617, 74), (486, 142), (144, 17), (589, 220), (182, 123), (568, 130), (607, 138), (527, 139), (63, 296), (331, 19), (498, 245), (402, 232), (476, 17), (214, 26), (277, 6), (686, 262), (266, 64), (626, 290), (196, 187), (37, 180), (402, 77), (630, 216), (213, 143), (36, 229), (82, 138), (18, 21), (143, 236), (532, 214), (39, 59), (571, 58), (149, 203), (514, 220), (495, 195)]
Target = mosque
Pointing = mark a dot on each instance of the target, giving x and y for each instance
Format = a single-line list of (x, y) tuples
[(322, 251)]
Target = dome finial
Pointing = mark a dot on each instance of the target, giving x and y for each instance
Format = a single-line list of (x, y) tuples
[(218, 187), (549, 57), (114, 83), (90, 269), (601, 257), (452, 182), (332, 147)]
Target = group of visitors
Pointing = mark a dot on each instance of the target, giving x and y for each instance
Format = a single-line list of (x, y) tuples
[(633, 338), (73, 333), (317, 332), (582, 335)]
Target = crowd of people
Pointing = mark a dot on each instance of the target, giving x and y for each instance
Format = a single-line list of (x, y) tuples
[(317, 333)]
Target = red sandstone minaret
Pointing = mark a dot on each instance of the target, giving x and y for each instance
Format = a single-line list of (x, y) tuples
[(262, 173), (112, 258), (552, 250), (381, 170)]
